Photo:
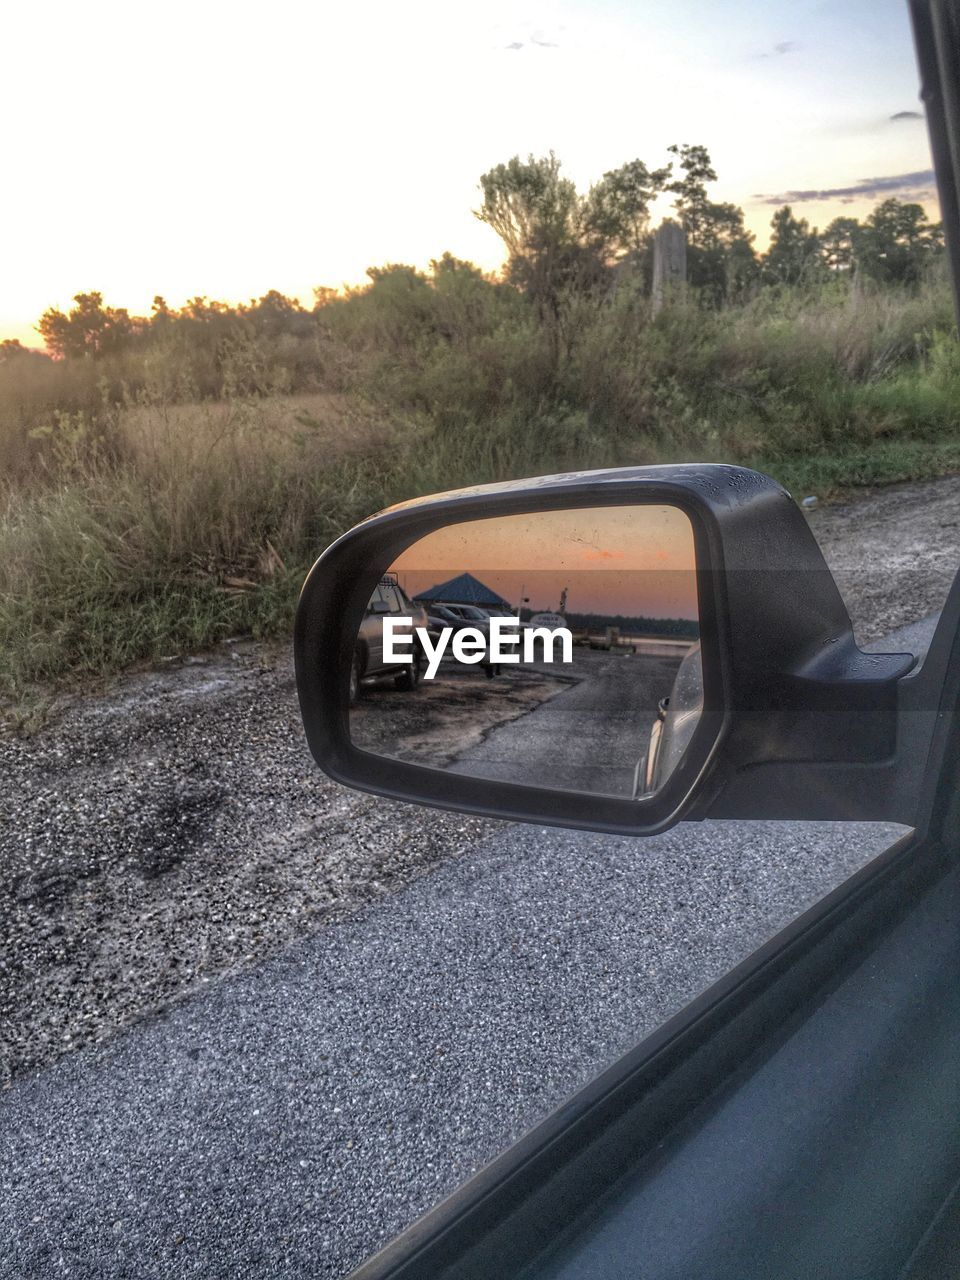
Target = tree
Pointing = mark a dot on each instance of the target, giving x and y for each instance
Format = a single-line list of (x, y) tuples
[(89, 329), (840, 244), (616, 213), (537, 215), (528, 204), (401, 299), (206, 312), (721, 261), (13, 349), (898, 241), (794, 252), (692, 202), (448, 269), (275, 314)]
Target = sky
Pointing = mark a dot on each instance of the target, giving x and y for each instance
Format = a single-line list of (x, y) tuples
[(224, 149), (635, 561)]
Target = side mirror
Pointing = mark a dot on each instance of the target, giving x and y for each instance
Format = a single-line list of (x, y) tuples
[(689, 655)]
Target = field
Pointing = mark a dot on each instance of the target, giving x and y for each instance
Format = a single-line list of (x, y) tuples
[(157, 500)]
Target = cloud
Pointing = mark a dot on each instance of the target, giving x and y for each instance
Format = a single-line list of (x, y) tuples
[(780, 48), (865, 188), (537, 38), (602, 553), (907, 115)]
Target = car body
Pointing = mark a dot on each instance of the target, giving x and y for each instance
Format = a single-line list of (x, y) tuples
[(675, 724)]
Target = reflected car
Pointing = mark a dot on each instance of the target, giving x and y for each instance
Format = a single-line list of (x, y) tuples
[(446, 615), (388, 600), (442, 615), (471, 614)]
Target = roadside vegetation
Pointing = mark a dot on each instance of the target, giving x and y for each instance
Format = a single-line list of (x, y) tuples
[(166, 480)]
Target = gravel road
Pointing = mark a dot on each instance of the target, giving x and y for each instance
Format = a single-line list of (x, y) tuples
[(330, 1083), (291, 1119), (154, 838)]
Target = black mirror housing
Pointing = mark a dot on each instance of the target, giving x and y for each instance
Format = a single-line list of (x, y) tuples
[(797, 721)]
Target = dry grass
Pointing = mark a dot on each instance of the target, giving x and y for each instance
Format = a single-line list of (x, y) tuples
[(179, 524), (135, 524)]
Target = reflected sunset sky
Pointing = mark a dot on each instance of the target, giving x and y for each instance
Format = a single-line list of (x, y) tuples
[(631, 560), (224, 149)]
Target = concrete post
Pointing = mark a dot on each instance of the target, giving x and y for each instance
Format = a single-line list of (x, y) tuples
[(669, 261)]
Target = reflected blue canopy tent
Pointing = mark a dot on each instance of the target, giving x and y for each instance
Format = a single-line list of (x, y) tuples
[(464, 589)]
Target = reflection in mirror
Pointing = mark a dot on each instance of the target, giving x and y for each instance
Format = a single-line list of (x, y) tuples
[(557, 649)]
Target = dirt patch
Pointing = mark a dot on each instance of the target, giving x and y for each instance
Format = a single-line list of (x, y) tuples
[(446, 716), (894, 552), (170, 831)]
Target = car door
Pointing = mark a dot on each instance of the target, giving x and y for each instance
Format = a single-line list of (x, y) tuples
[(799, 1118), (377, 609)]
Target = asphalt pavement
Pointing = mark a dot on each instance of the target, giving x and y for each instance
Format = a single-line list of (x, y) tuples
[(587, 737), (293, 1117)]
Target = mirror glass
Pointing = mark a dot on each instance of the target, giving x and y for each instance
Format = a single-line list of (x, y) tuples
[(557, 649)]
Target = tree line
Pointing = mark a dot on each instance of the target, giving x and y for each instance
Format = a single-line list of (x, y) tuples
[(555, 235), (562, 247), (687, 628)]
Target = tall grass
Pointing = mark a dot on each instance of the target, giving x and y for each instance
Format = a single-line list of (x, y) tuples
[(192, 522), (139, 520)]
